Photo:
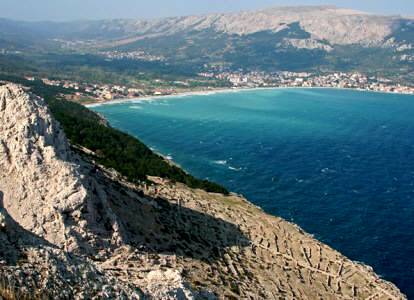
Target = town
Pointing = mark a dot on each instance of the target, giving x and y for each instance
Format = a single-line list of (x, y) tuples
[(303, 79), (88, 92), (131, 55)]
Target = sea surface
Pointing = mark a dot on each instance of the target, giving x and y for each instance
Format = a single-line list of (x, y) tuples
[(339, 163)]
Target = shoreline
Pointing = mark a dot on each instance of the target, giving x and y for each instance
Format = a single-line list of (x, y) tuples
[(224, 91), (175, 95)]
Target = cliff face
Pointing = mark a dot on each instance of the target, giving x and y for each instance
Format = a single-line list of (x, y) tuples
[(42, 184), (36, 166), (54, 215), (69, 228)]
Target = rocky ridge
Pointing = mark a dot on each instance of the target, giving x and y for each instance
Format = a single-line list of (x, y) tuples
[(71, 229), (336, 26)]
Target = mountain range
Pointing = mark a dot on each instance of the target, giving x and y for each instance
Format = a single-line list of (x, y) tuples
[(322, 38)]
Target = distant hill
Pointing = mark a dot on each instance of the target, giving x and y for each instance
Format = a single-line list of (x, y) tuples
[(281, 38)]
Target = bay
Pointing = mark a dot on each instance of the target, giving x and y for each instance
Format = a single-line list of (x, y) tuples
[(339, 163)]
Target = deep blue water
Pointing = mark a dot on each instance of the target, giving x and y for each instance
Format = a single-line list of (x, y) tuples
[(338, 163)]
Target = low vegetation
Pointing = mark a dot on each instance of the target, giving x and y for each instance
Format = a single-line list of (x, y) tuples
[(9, 292)]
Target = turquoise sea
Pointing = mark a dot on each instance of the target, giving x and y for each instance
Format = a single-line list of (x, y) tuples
[(339, 163)]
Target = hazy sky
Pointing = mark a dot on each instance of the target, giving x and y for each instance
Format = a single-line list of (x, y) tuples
[(101, 9)]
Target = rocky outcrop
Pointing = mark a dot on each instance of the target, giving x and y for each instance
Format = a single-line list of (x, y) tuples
[(305, 44), (44, 190), (59, 218), (71, 229)]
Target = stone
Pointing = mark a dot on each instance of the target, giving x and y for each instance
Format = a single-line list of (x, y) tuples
[(2, 221)]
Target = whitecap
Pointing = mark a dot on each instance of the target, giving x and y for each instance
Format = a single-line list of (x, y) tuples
[(327, 170), (234, 169), (220, 162), (135, 107)]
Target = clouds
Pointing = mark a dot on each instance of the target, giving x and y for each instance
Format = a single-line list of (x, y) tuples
[(63, 10)]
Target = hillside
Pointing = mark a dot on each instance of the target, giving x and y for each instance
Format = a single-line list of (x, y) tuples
[(310, 38), (331, 24), (73, 229)]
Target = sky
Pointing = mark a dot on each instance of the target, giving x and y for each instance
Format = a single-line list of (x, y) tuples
[(66, 10)]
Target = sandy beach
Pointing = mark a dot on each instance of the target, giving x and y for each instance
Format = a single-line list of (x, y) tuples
[(175, 95), (217, 91)]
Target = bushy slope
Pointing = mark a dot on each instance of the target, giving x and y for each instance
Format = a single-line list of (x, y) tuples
[(112, 148), (118, 150)]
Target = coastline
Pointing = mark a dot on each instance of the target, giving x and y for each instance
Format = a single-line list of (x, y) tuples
[(224, 91)]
